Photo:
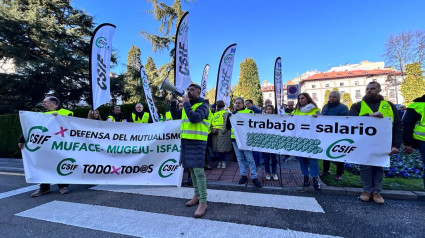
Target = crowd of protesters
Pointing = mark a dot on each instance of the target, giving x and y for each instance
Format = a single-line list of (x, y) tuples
[(207, 133)]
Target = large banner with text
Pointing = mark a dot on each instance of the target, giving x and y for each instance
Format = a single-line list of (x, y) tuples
[(69, 150), (358, 140)]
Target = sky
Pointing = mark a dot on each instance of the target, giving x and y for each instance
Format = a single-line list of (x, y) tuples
[(306, 34)]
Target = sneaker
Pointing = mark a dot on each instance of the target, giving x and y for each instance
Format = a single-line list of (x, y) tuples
[(338, 178), (39, 192), (219, 165), (223, 165), (275, 178), (306, 181), (378, 198), (316, 184), (243, 180), (64, 190), (268, 177), (365, 197), (257, 183)]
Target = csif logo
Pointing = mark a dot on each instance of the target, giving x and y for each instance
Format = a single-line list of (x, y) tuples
[(340, 148), (167, 168), (102, 42), (183, 28), (35, 138), (228, 59), (66, 167)]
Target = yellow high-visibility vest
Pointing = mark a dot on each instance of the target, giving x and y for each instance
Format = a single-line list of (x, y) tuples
[(384, 108), (145, 118), (218, 120), (299, 113), (419, 130), (62, 112), (195, 131)]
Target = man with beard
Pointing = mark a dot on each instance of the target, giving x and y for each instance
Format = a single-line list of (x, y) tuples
[(195, 124), (139, 115), (374, 105), (116, 115)]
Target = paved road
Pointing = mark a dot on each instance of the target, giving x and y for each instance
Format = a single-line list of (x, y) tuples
[(135, 211)]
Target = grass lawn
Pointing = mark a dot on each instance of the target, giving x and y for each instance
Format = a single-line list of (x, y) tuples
[(353, 180)]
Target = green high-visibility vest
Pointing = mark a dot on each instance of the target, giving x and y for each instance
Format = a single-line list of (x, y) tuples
[(145, 118), (168, 116), (218, 120), (384, 108), (232, 135), (62, 112), (299, 113), (419, 130), (195, 131)]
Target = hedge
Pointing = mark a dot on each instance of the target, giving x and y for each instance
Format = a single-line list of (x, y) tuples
[(10, 127)]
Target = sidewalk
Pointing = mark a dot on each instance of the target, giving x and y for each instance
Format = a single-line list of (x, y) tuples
[(290, 180)]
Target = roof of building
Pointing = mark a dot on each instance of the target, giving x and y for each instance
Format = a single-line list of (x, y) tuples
[(349, 74)]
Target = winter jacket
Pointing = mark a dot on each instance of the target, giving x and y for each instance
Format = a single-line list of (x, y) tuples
[(335, 109), (221, 141)]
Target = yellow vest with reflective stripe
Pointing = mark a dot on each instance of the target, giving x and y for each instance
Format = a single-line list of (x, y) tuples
[(384, 108), (113, 118), (168, 116), (299, 113), (145, 118), (232, 135), (218, 120), (195, 131), (62, 112), (419, 130)]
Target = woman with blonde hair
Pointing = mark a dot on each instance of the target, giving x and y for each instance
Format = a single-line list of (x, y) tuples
[(95, 115)]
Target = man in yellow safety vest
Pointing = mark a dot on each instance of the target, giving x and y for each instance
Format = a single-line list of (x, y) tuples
[(374, 105), (139, 115), (413, 124)]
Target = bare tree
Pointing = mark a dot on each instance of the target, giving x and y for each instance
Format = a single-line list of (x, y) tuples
[(404, 48)]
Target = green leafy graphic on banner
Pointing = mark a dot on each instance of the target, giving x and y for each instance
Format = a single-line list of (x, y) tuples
[(277, 142)]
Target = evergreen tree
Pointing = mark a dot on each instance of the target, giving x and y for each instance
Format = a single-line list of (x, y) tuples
[(413, 86), (210, 95), (346, 99), (48, 41), (248, 85), (133, 84)]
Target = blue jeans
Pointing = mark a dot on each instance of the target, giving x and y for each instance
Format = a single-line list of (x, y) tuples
[(221, 156), (257, 158), (422, 151), (305, 163), (245, 157), (266, 158)]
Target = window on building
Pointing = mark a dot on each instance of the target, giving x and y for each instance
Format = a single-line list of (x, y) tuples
[(392, 93), (314, 96), (342, 93), (270, 95), (313, 86), (358, 96), (341, 84), (327, 85), (373, 80), (356, 82)]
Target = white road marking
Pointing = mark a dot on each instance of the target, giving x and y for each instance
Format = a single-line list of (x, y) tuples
[(244, 198), (147, 224), (8, 173), (18, 191)]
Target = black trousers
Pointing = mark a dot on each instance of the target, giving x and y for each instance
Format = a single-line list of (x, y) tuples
[(339, 167)]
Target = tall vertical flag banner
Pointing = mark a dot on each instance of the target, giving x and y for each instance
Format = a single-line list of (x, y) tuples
[(181, 70), (148, 95), (224, 76), (100, 59), (204, 81), (278, 89)]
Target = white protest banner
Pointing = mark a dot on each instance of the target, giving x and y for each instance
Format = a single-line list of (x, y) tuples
[(100, 59), (224, 76), (278, 88), (148, 95), (181, 70), (204, 81), (358, 140), (71, 150)]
